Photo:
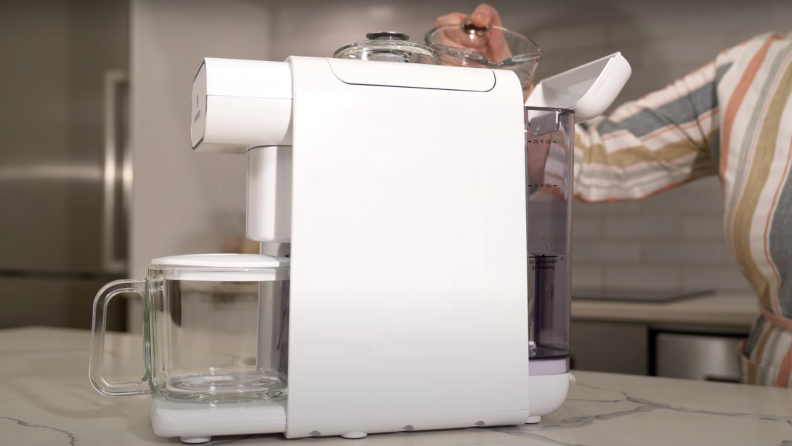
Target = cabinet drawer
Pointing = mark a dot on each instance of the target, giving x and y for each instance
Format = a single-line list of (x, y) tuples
[(688, 356), (610, 347)]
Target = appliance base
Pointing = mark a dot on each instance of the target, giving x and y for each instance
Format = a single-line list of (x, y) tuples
[(198, 423), (354, 435), (195, 440), (547, 392)]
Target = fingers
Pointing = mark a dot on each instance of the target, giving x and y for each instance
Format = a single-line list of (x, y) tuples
[(451, 37), (493, 47), (485, 15), (454, 18)]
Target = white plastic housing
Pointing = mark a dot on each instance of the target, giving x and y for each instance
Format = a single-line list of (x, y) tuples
[(588, 90), (380, 196), (238, 104), (269, 194), (177, 419), (388, 306), (548, 392)]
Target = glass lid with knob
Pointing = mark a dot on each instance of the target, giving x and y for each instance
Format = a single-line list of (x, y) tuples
[(389, 46), (494, 47)]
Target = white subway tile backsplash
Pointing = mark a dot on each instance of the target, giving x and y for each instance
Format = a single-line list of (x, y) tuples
[(589, 277), (646, 30), (727, 256), (682, 253), (622, 207), (642, 277), (643, 227), (704, 227), (606, 252), (703, 196), (677, 49), (649, 12), (583, 228), (725, 277), (721, 21), (570, 37), (782, 17)]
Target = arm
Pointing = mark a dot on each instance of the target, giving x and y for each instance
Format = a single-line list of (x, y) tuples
[(650, 145)]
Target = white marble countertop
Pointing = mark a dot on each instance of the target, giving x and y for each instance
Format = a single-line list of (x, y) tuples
[(721, 309), (45, 399)]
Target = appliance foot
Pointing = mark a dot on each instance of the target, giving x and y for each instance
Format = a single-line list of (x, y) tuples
[(354, 435), (533, 420), (194, 440)]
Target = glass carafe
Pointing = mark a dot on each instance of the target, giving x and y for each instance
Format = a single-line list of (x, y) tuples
[(549, 149), (215, 329)]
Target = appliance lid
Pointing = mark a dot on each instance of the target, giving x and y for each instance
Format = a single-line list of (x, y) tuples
[(223, 261), (389, 46), (588, 90)]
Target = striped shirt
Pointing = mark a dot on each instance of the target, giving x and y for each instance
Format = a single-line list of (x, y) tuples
[(731, 118)]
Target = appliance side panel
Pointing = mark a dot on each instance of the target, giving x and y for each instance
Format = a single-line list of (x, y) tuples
[(409, 287)]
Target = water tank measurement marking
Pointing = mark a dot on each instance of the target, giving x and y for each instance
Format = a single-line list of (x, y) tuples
[(542, 263)]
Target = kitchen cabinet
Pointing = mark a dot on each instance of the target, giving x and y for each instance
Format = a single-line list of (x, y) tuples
[(687, 352), (692, 338), (695, 356), (611, 347)]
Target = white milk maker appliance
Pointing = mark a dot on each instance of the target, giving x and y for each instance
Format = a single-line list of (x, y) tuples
[(389, 197)]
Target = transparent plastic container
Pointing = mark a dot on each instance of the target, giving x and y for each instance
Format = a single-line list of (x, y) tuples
[(492, 47), (550, 140), (212, 333)]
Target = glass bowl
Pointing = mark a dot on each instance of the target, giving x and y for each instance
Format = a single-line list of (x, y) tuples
[(492, 47)]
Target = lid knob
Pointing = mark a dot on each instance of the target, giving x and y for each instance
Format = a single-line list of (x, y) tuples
[(387, 35), (469, 27)]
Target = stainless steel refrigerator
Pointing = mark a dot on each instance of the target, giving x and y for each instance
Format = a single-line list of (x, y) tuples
[(65, 172)]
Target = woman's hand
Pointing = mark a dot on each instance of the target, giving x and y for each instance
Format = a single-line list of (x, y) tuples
[(491, 45)]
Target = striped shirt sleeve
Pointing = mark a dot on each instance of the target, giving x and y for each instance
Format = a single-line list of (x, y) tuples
[(650, 145)]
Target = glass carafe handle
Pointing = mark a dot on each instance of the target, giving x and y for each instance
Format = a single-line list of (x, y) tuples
[(96, 364)]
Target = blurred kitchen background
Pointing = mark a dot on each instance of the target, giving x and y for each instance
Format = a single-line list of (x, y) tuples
[(97, 175)]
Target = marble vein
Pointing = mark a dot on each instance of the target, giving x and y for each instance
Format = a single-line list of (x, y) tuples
[(545, 439), (644, 406), (72, 438)]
